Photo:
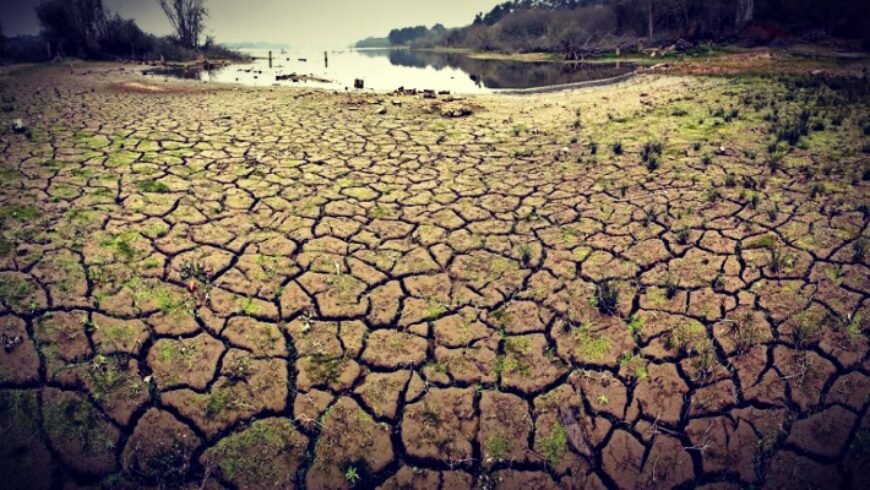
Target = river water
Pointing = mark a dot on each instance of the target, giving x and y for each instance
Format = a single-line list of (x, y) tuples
[(384, 70)]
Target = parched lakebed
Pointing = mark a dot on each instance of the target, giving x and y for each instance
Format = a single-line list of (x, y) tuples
[(658, 283)]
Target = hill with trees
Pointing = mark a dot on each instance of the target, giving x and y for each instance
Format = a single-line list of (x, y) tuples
[(407, 36), (577, 27)]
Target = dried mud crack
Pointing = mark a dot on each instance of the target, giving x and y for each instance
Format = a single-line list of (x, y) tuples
[(661, 283)]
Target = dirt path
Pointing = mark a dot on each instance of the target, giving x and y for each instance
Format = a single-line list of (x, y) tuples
[(653, 284)]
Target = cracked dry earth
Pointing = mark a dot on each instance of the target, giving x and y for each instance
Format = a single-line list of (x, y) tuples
[(229, 287)]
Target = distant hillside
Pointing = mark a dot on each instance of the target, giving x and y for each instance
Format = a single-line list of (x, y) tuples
[(416, 36), (256, 45), (582, 27), (373, 42)]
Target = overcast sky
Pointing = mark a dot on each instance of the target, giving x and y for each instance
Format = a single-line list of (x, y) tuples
[(302, 23)]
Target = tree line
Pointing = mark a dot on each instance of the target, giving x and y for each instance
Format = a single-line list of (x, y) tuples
[(578, 25), (86, 29)]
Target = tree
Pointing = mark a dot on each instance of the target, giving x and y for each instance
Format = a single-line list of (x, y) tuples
[(124, 38), (745, 12), (405, 35), (649, 17), (73, 27), (187, 18)]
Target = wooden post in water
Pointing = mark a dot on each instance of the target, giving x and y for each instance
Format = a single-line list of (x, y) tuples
[(325, 59), (270, 59)]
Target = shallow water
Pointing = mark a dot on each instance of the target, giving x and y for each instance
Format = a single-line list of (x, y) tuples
[(386, 70)]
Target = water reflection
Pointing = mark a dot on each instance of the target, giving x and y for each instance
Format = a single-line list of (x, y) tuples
[(500, 74), (386, 70)]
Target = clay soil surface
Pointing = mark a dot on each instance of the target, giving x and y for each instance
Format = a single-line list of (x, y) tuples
[(655, 284)]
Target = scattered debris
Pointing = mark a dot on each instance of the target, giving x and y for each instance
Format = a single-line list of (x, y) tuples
[(456, 111), (11, 342), (18, 126), (296, 78)]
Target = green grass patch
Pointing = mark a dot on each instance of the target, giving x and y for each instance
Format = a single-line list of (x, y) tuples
[(152, 186), (554, 445), (588, 347)]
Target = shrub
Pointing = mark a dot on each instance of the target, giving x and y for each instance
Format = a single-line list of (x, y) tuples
[(683, 236), (774, 162), (607, 297), (670, 284), (859, 249), (650, 150), (593, 147)]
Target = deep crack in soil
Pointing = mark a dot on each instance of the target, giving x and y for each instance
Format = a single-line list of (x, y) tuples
[(661, 283)]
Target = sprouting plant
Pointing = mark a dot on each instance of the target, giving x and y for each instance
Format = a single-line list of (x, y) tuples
[(635, 366), (718, 282), (774, 162), (806, 329), (607, 297), (684, 337), (617, 148), (836, 274), (497, 447), (859, 249), (351, 475), (853, 327), (525, 254), (152, 186), (554, 445), (635, 325), (779, 259), (650, 150), (730, 180), (754, 200), (650, 216), (239, 369), (670, 284), (196, 271), (682, 236)]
